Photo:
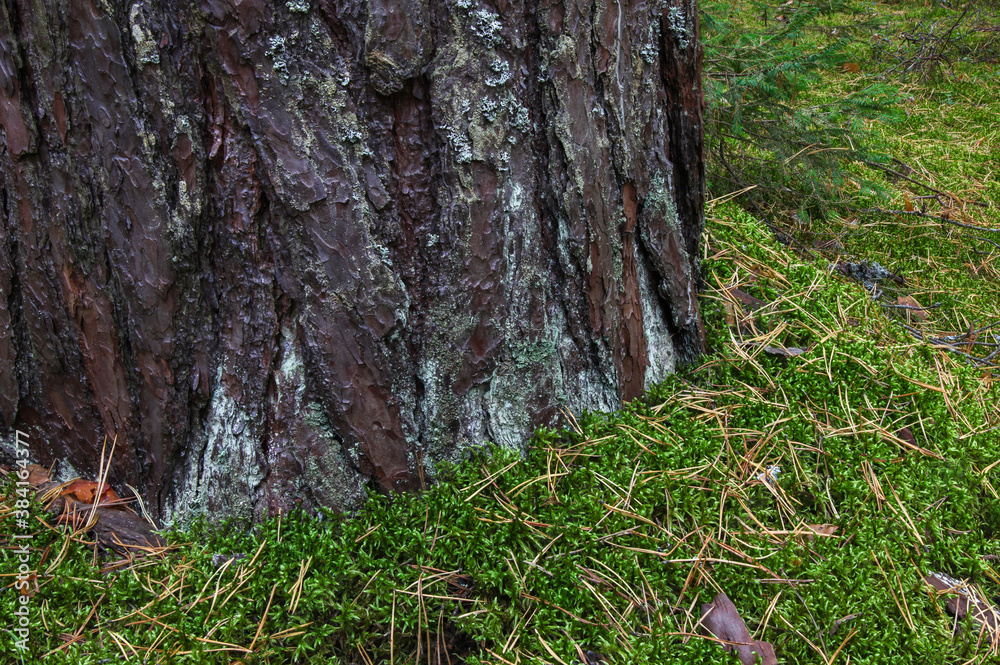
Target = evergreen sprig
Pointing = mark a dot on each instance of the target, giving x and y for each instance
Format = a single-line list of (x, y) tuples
[(765, 126)]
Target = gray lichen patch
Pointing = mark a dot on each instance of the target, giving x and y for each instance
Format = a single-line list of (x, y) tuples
[(660, 201), (66, 472), (487, 27), (500, 72), (659, 344), (223, 477), (663, 237), (461, 146), (327, 475), (279, 60), (678, 25), (505, 400), (475, 78), (147, 51)]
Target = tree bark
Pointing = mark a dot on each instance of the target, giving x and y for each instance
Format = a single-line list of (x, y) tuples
[(284, 250)]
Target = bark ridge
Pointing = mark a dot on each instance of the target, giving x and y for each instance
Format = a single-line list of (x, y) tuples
[(288, 249)]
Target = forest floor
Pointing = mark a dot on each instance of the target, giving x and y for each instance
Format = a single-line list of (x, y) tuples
[(837, 448)]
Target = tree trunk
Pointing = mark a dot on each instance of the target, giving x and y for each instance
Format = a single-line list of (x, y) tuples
[(283, 250)]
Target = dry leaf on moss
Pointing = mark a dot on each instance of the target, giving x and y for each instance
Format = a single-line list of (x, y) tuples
[(116, 528), (722, 620), (746, 299), (964, 600), (906, 434), (842, 620), (819, 530), (912, 307), (730, 313)]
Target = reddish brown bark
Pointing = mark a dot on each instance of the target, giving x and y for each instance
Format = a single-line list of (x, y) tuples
[(282, 250)]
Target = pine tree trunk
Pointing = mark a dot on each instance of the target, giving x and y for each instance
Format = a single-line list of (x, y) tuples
[(287, 249)]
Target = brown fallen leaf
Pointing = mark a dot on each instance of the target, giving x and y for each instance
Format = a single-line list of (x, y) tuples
[(746, 299), (912, 307), (842, 620), (722, 620), (819, 530), (965, 600), (109, 496), (124, 531), (116, 527), (32, 585), (906, 434), (85, 491), (37, 475), (80, 490)]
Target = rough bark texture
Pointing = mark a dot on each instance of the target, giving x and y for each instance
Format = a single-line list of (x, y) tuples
[(285, 249)]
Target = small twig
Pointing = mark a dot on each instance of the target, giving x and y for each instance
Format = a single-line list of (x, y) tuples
[(917, 213), (984, 362), (987, 240), (904, 177), (910, 307)]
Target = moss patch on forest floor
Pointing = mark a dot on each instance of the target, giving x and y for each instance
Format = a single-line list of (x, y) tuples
[(823, 459)]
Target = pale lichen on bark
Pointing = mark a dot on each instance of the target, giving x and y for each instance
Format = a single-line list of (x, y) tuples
[(289, 249)]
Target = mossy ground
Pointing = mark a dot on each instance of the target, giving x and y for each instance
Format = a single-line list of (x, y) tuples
[(610, 534)]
